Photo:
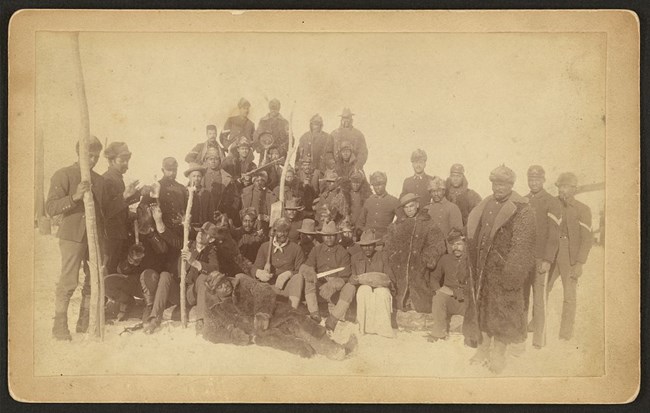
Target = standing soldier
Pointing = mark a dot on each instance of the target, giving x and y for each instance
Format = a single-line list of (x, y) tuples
[(173, 195), (547, 219), (65, 198), (293, 212), (237, 126), (347, 132), (379, 209), (276, 125), (418, 184), (574, 246), (259, 197), (334, 199), (199, 153), (501, 241), (237, 163), (346, 161), (202, 206), (413, 247), (315, 143), (118, 198), (444, 214), (458, 192), (359, 193)]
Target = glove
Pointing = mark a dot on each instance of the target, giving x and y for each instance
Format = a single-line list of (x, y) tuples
[(282, 279), (262, 275)]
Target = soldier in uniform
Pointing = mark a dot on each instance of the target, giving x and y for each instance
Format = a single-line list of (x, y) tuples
[(458, 192), (346, 162), (276, 125), (307, 236), (347, 132), (418, 184), (65, 198), (334, 198), (334, 288), (293, 212), (237, 126), (359, 193), (237, 163), (574, 246), (250, 235), (118, 197), (379, 209), (501, 239), (199, 153), (315, 143), (444, 214), (259, 197), (173, 195), (547, 219), (202, 205)]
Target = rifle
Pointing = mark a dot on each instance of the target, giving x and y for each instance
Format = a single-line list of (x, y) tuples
[(186, 238)]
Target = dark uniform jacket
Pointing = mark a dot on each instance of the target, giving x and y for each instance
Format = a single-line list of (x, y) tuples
[(577, 218), (451, 272), (465, 198), (261, 200), (59, 201), (414, 245), (418, 185), (315, 145), (289, 259), (248, 242), (358, 141), (377, 263), (500, 264), (198, 153), (378, 213), (237, 126), (548, 212), (279, 128), (208, 259), (323, 258), (117, 208), (172, 201)]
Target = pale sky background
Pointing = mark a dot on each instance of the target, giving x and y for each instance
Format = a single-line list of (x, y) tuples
[(477, 99)]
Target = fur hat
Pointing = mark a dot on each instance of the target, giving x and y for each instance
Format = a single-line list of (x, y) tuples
[(503, 174), (457, 169), (282, 224), (242, 141), (357, 176), (347, 113), (250, 211), (210, 127), (169, 163), (243, 103), (117, 149), (316, 119), (436, 183), (274, 104), (418, 155), (536, 171), (212, 152), (455, 235), (331, 176), (345, 226), (378, 177), (567, 178)]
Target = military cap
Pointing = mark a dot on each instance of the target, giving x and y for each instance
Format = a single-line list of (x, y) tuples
[(294, 204), (117, 149), (357, 176), (455, 235), (274, 104), (436, 183), (331, 176), (93, 144), (418, 155), (243, 103), (503, 174), (536, 171), (408, 198), (457, 169), (316, 119), (567, 178), (169, 163), (242, 141), (346, 144), (282, 224), (368, 237), (250, 212), (208, 228), (210, 127), (347, 113), (194, 167), (212, 152), (378, 177)]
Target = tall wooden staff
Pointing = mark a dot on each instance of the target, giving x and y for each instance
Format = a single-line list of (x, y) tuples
[(95, 262), (186, 240)]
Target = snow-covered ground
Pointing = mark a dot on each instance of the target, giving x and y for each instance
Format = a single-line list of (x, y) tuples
[(173, 350)]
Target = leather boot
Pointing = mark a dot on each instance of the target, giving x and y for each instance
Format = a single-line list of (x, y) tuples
[(483, 351), (84, 314), (498, 357), (60, 329)]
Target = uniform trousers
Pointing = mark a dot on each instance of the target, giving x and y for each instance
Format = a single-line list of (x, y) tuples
[(195, 294), (565, 271), (443, 306), (337, 304), (73, 255), (374, 308), (537, 282), (160, 291), (114, 252), (122, 288)]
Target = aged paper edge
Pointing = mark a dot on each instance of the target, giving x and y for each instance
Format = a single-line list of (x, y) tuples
[(620, 384)]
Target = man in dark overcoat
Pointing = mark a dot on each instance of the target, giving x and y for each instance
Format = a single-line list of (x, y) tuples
[(501, 241)]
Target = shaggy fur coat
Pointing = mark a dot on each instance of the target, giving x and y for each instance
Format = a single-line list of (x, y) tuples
[(413, 247), (496, 306)]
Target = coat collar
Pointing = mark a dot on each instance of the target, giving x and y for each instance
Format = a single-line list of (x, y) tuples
[(507, 211)]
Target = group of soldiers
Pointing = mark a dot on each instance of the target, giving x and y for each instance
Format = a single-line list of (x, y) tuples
[(343, 249)]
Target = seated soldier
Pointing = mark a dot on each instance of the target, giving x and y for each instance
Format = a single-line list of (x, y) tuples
[(243, 311), (201, 258), (231, 260), (347, 239), (250, 235), (293, 212), (372, 272), (274, 171), (281, 270), (359, 193), (449, 281), (333, 288), (307, 236), (122, 286), (202, 205), (334, 198), (259, 197)]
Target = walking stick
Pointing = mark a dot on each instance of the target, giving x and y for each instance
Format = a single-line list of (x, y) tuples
[(95, 264), (186, 238)]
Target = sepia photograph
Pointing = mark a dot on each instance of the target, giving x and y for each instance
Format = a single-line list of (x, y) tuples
[(242, 196)]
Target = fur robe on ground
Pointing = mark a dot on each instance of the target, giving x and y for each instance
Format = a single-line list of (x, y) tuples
[(497, 282)]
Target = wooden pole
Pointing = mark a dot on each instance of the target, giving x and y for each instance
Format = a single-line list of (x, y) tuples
[(96, 324), (186, 240)]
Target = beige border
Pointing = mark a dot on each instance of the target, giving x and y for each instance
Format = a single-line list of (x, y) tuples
[(619, 385)]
